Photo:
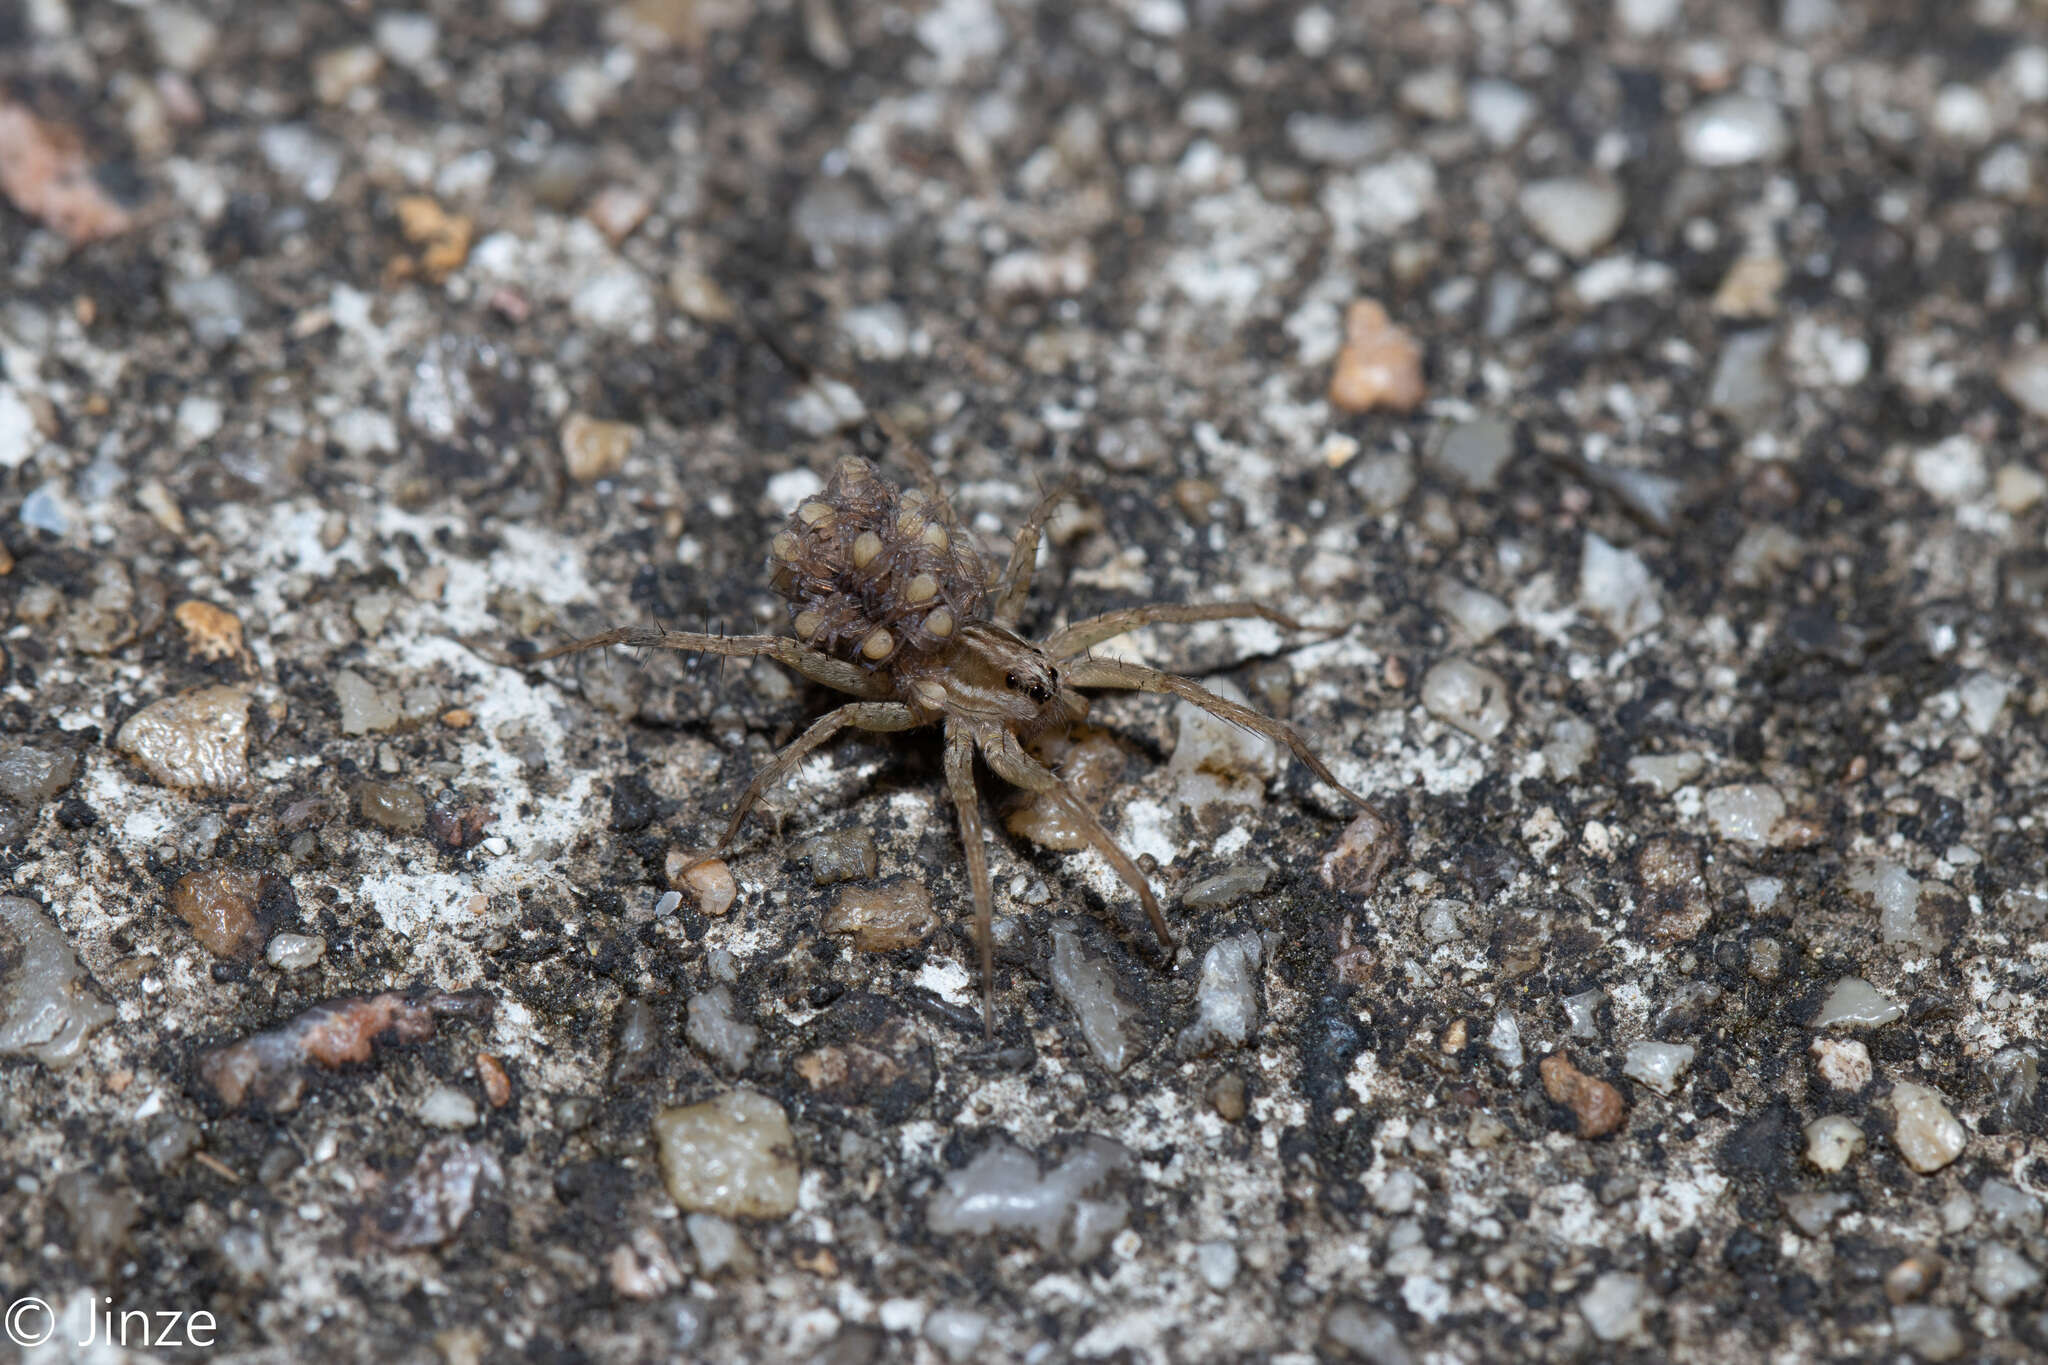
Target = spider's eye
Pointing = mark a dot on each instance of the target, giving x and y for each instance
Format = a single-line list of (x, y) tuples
[(1010, 681), (1038, 693)]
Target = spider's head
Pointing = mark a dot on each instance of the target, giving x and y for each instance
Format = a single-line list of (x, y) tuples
[(993, 675)]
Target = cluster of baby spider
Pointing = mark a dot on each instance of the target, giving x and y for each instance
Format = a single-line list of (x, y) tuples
[(891, 604)]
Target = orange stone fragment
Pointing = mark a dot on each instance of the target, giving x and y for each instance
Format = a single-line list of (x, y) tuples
[(1380, 365), (1597, 1105)]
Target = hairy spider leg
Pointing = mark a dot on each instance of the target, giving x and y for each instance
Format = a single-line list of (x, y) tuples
[(1116, 673), (967, 804), (1071, 640), (882, 716), (1011, 763), (836, 674)]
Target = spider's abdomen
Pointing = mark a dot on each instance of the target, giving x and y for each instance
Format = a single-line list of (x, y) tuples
[(872, 573)]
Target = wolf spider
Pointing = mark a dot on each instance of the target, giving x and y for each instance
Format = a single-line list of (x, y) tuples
[(891, 604)]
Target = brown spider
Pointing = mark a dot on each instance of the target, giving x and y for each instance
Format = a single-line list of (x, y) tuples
[(890, 603)]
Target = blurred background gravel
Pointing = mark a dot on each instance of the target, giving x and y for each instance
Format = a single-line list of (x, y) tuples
[(1654, 393)]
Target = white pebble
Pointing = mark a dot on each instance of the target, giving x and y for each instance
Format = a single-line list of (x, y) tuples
[(1477, 615), (1505, 1039), (365, 707), (1928, 1135), (1617, 586), (716, 1029), (1645, 17), (1616, 1305), (1832, 1142), (1733, 130), (47, 1006), (294, 952), (1501, 111), (1666, 773), (1001, 1190), (1962, 114), (1576, 214), (733, 1156), (1476, 700), (2003, 1275), (408, 39), (2024, 377), (1951, 471), (1983, 697), (1215, 762), (1855, 1003), (1088, 985), (446, 1107), (1926, 1331), (1745, 812), (618, 300), (957, 1332), (1896, 893), (1658, 1065), (1216, 1263), (1227, 1000)]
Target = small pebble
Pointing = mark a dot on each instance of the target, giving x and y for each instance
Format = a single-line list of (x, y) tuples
[(430, 1205), (1733, 130), (1666, 773), (1914, 1278), (1227, 1097), (709, 880), (1814, 1213), (446, 1107), (1952, 471), (594, 449), (32, 777), (365, 707), (1855, 1003), (616, 210), (1750, 288), (1380, 365), (1477, 615), (733, 1156), (1226, 888), (717, 1244), (1227, 998), (1928, 1135), (716, 1029), (956, 1332), (1090, 760), (1216, 763), (1926, 1331), (667, 902), (2024, 377), (1617, 587), (294, 952), (1832, 1141), (211, 632), (2003, 1276), (1747, 812), (1658, 1065), (1575, 214), (198, 739), (882, 919), (48, 1008), (1002, 1190), (1615, 1306), (1844, 1063), (1597, 1105), (1475, 452), (1468, 697), (1500, 110), (342, 71), (1746, 386), (1088, 985), (396, 806), (490, 1072), (840, 857), (219, 903), (1362, 854)]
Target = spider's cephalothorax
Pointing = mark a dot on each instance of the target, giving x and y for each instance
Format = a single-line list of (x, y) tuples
[(890, 603)]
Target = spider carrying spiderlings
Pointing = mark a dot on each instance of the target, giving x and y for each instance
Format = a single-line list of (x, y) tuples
[(890, 603)]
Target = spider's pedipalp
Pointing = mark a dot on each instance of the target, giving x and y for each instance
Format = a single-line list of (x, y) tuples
[(1015, 587)]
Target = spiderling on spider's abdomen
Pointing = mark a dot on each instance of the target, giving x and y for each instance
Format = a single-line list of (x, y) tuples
[(891, 604)]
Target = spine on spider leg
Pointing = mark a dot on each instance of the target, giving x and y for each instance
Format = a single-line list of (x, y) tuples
[(875, 576)]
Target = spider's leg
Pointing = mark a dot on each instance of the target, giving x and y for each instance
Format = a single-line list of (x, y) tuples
[(1015, 588), (1007, 757), (861, 715), (1073, 639), (834, 673), (1116, 673), (967, 803)]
